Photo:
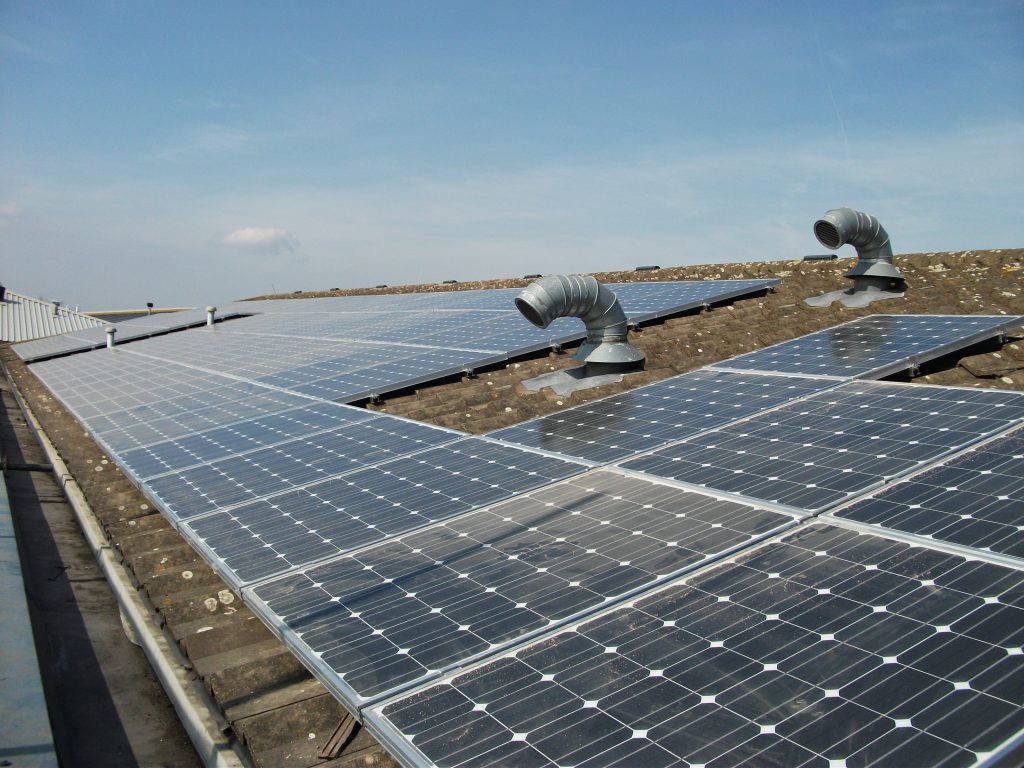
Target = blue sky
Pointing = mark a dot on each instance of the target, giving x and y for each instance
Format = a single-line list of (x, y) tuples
[(194, 152)]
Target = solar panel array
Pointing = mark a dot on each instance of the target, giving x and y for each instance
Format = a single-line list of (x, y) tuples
[(349, 349), (826, 647), (638, 580), (387, 616), (267, 536), (481, 322)]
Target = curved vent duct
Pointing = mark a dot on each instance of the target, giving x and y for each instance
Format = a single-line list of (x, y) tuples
[(842, 226), (606, 349), (874, 275)]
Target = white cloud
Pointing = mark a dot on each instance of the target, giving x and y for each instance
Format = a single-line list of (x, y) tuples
[(262, 238), (210, 140), (8, 210)]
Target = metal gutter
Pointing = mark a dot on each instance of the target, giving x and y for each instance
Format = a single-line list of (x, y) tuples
[(198, 713)]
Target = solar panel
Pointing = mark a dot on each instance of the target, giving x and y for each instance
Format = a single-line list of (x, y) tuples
[(875, 346), (389, 615), (825, 648), (238, 402), (829, 447), (266, 537), (261, 357), (646, 301), (313, 432), (416, 367), (246, 476), (40, 349), (975, 500), (645, 418), (108, 381)]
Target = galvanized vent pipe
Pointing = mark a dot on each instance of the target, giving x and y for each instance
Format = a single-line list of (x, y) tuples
[(211, 314), (863, 231), (606, 348), (110, 337)]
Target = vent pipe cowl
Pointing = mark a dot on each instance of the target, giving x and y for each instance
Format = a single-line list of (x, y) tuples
[(211, 316), (606, 348), (110, 337), (863, 231)]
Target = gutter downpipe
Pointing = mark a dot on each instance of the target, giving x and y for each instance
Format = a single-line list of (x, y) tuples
[(198, 713)]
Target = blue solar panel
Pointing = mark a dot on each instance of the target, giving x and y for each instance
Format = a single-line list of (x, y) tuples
[(647, 417), (388, 553), (975, 500), (875, 346), (823, 450), (312, 438), (262, 538), (825, 648), (389, 615), (352, 348)]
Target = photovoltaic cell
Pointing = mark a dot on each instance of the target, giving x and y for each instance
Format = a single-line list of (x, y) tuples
[(645, 418), (825, 648), (975, 500), (389, 615), (874, 346), (260, 539), (825, 449)]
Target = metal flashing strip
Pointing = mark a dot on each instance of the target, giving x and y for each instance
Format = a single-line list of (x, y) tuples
[(824, 644), (388, 616), (725, 368)]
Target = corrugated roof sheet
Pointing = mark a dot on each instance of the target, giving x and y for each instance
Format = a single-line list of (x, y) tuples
[(23, 318)]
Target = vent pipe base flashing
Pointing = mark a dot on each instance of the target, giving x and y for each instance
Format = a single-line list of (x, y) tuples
[(865, 290), (568, 380)]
